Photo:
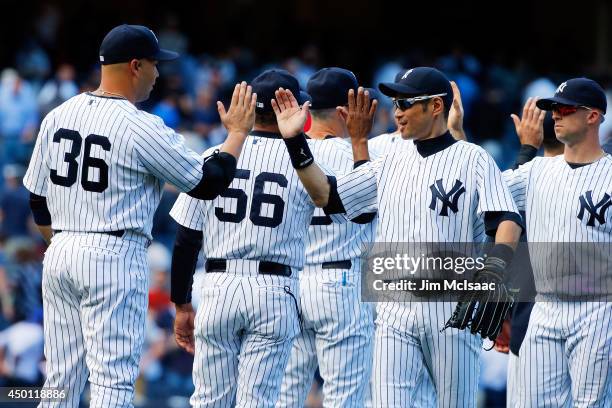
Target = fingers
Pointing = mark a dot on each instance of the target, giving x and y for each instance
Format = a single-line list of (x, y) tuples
[(517, 122), (253, 102), (293, 103), (275, 107), (351, 100), (241, 94), (456, 93), (221, 109), (235, 95), (541, 117), (360, 99), (246, 103), (373, 108), (306, 107), (280, 102)]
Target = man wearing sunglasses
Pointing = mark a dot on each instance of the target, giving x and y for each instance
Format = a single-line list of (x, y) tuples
[(441, 190), (565, 357)]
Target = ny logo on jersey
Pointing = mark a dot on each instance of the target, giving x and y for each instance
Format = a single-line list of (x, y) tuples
[(561, 88), (448, 200), (407, 73), (596, 211)]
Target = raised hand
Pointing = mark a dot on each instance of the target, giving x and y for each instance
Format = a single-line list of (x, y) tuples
[(530, 128), (359, 115), (289, 116), (240, 116), (455, 115)]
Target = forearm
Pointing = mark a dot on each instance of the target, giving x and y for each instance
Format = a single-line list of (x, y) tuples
[(184, 259), (458, 134), (508, 233), (233, 144), (316, 184), (360, 150)]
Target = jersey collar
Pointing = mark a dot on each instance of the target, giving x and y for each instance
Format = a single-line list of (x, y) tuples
[(432, 146), (263, 133)]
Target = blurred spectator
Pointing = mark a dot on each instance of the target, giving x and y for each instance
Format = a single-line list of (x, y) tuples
[(205, 115), (58, 89), (21, 350), (18, 118), (159, 291), (24, 272), (14, 203), (33, 62)]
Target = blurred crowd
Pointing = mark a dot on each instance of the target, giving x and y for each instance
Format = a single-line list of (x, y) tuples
[(185, 97)]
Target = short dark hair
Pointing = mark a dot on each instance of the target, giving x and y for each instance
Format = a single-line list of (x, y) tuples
[(266, 118), (425, 104), (322, 114)]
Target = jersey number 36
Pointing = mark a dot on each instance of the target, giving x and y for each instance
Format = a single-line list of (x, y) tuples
[(88, 162)]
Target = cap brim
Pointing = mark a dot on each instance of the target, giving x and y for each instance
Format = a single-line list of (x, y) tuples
[(165, 55), (393, 89), (547, 103)]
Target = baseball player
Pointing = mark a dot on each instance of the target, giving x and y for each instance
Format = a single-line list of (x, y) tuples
[(390, 142), (249, 309), (534, 129), (565, 357), (96, 178), (337, 327), (440, 191)]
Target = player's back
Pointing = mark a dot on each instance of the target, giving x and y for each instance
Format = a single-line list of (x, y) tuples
[(328, 241), (265, 212), (102, 162)]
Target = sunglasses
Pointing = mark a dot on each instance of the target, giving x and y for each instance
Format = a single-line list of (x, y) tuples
[(565, 110), (407, 103)]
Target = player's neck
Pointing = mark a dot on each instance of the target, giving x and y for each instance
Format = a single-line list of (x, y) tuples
[(320, 130), (115, 89), (587, 150), (266, 128), (436, 130)]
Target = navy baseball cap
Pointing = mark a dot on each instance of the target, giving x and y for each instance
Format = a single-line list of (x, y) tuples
[(268, 82), (419, 81), (126, 42), (329, 87), (577, 92)]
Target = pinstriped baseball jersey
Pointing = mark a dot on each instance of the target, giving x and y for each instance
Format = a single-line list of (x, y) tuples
[(263, 214), (387, 143), (435, 191), (447, 194), (328, 241), (108, 161), (574, 202)]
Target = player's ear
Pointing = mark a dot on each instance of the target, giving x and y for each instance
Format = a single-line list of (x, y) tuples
[(134, 65), (437, 106)]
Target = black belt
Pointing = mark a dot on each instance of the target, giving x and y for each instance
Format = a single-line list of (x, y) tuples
[(113, 233), (265, 267), (337, 265)]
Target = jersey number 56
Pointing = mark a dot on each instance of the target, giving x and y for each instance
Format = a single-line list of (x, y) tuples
[(259, 198)]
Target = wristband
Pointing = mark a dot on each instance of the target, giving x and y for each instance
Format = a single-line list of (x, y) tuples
[(299, 151)]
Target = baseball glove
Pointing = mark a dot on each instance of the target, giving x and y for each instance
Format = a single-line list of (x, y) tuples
[(484, 311)]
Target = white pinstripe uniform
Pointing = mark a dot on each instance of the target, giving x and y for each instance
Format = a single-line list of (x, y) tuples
[(387, 143), (246, 321), (384, 144), (338, 327), (566, 357), (101, 163), (400, 185)]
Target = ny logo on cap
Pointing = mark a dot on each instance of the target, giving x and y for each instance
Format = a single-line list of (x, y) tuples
[(561, 87), (407, 73), (448, 200)]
